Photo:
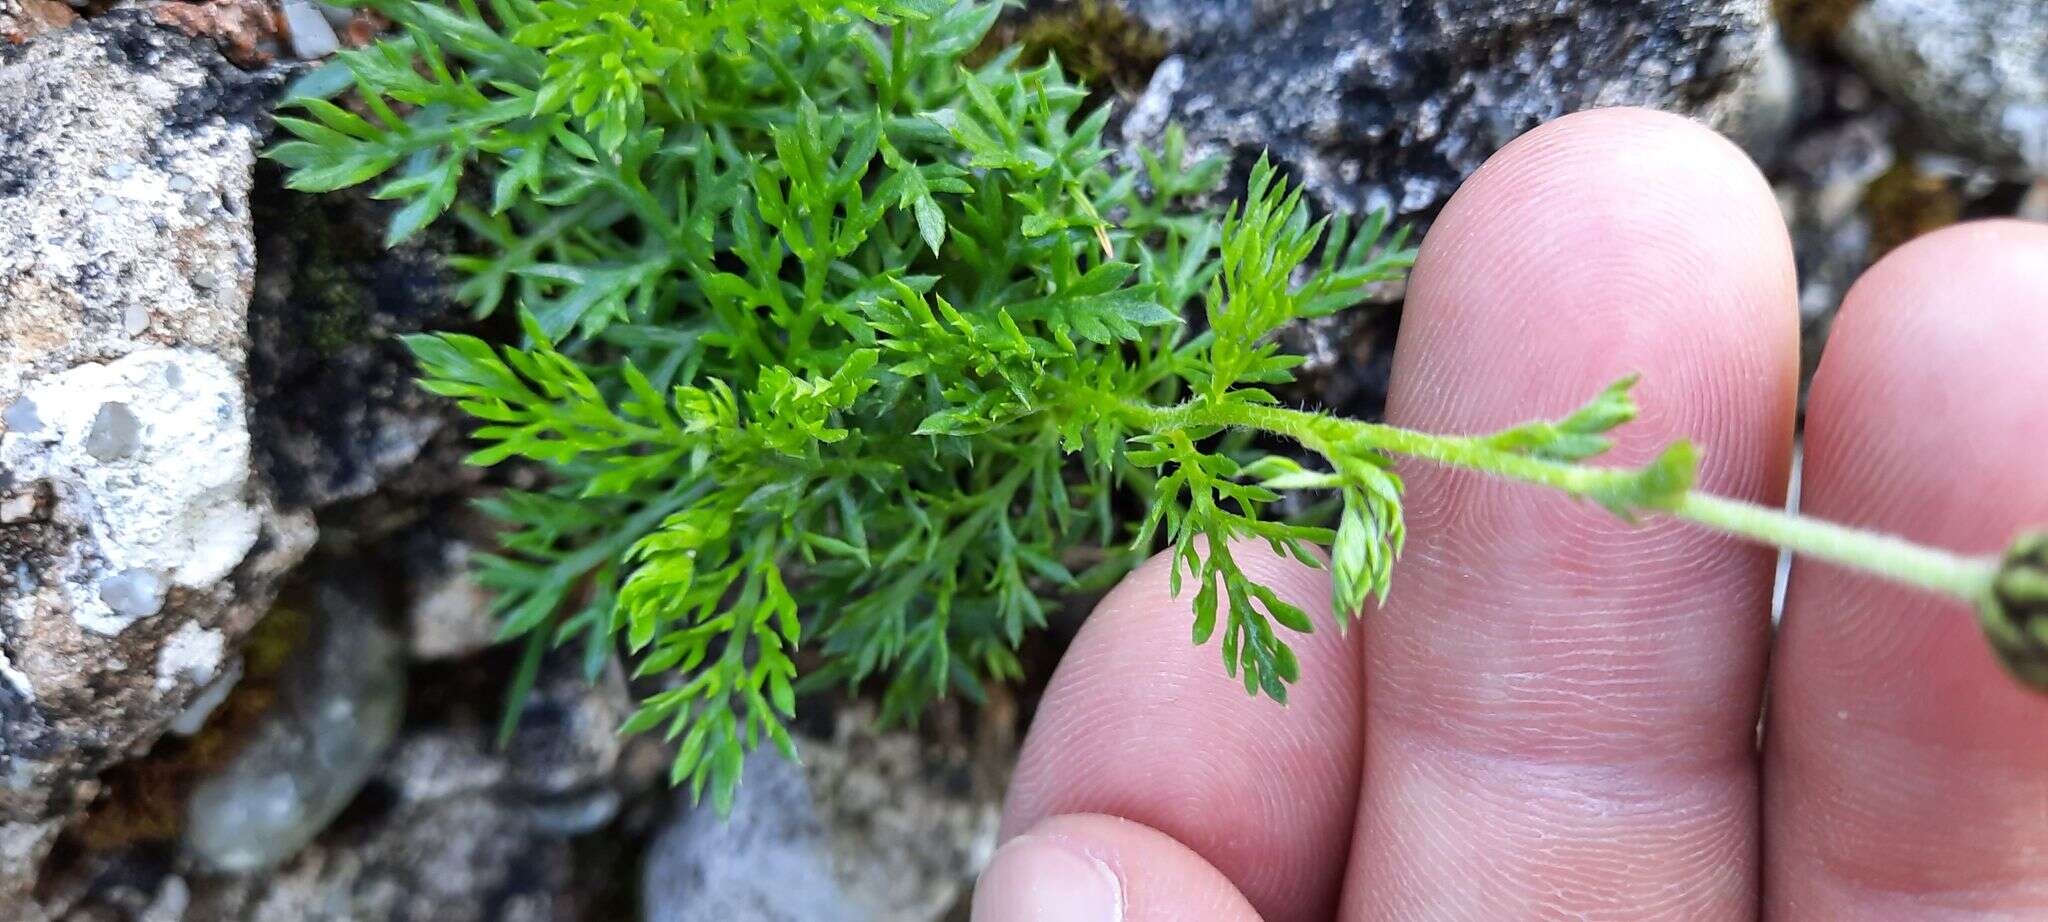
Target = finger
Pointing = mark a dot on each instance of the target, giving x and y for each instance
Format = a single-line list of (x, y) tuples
[(1561, 708), (1094, 868), (1906, 775), (1139, 722)]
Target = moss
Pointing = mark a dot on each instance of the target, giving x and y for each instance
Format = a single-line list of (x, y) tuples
[(1813, 23), (333, 306), (1095, 41), (144, 799), (337, 311), (1904, 203)]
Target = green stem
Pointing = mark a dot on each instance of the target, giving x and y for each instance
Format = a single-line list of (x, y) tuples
[(1965, 578)]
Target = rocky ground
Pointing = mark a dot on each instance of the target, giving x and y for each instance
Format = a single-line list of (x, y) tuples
[(243, 675)]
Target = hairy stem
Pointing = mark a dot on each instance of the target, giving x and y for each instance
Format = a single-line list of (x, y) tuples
[(1895, 558), (1962, 577)]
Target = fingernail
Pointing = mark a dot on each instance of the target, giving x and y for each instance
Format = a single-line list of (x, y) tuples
[(1042, 879)]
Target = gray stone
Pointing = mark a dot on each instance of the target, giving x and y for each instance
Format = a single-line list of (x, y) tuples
[(338, 15), (308, 30), (457, 857), (95, 659), (1826, 179), (868, 828), (339, 708), (135, 319), (193, 717), (136, 592), (21, 417), (1973, 72), (770, 859), (567, 741), (1381, 104), (462, 830), (577, 815), (2034, 205), (449, 615), (115, 433), (1761, 115), (173, 897)]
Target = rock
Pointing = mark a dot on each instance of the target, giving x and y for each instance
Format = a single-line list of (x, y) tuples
[(138, 537), (1375, 105), (148, 457), (1825, 180), (871, 827), (453, 828), (449, 613), (1761, 113), (1856, 182), (1973, 72), (21, 20), (770, 859), (193, 718), (245, 30), (567, 741), (336, 411), (449, 826), (2034, 205), (441, 848), (308, 30), (338, 709), (23, 846)]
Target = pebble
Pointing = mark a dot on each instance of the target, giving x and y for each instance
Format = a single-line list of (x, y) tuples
[(136, 592), (21, 417), (115, 433), (310, 33), (339, 709)]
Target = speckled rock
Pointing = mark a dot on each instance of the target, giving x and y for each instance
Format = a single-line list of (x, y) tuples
[(138, 539), (1392, 104), (1974, 72)]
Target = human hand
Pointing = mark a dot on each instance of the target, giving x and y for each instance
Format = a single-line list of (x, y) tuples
[(1555, 714)]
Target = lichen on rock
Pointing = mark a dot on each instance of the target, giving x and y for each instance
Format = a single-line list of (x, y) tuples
[(148, 455), (139, 539)]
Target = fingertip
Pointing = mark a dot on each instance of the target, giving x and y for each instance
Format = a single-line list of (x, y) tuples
[(1094, 868), (1140, 722), (1926, 419), (1048, 876), (1572, 698), (1606, 242), (1936, 356)]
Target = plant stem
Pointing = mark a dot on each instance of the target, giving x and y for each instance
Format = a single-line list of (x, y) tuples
[(1962, 577), (1895, 558)]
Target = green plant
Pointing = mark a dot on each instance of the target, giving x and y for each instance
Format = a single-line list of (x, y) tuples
[(812, 312)]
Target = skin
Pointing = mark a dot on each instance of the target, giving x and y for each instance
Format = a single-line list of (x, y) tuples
[(1555, 714)]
